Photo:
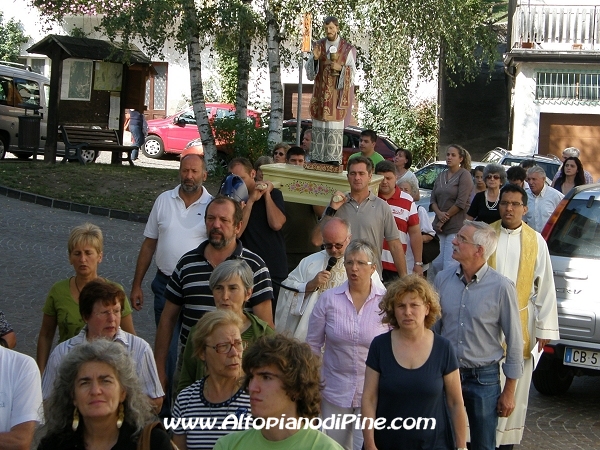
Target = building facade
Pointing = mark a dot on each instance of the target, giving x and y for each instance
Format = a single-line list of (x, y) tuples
[(553, 64)]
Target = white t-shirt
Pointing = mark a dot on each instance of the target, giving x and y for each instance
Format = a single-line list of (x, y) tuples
[(20, 389), (177, 228)]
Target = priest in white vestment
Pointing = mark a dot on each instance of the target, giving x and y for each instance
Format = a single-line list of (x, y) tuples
[(522, 256)]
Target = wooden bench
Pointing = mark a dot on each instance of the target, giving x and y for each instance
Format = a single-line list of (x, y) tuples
[(77, 139)]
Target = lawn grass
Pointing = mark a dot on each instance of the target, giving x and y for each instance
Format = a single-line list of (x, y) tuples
[(126, 188)]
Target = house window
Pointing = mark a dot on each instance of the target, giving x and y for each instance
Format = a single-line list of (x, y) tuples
[(568, 87)]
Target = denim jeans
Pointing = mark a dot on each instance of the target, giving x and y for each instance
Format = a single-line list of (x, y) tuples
[(158, 286), (481, 389), (138, 138)]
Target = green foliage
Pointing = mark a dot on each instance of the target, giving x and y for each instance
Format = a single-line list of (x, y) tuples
[(11, 38), (78, 33), (227, 69), (241, 137)]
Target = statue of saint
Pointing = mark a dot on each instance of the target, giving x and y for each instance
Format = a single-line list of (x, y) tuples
[(333, 68)]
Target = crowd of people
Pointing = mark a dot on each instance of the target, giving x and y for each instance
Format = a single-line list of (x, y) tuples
[(360, 328)]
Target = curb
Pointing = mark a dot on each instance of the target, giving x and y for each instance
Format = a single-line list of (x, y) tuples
[(70, 206)]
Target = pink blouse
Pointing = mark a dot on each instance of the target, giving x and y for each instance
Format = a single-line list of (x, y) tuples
[(347, 335)]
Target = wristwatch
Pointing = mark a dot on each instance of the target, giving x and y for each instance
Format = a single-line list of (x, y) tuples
[(421, 264), (329, 211)]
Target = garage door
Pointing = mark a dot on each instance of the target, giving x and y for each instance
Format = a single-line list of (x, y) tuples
[(559, 131)]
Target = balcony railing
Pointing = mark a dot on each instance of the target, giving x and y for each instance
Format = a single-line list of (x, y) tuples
[(556, 27)]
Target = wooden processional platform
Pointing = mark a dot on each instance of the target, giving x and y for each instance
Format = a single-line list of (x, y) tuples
[(311, 187)]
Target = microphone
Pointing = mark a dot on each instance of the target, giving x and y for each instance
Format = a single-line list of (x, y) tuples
[(331, 263)]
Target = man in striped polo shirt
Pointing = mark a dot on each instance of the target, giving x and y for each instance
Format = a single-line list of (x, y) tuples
[(406, 216), (188, 292)]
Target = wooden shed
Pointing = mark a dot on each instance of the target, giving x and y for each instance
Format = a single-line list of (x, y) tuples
[(91, 84)]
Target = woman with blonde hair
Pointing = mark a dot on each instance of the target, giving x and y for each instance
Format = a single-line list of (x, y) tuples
[(412, 373), (61, 309)]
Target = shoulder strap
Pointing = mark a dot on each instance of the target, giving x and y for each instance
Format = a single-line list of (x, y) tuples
[(144, 440)]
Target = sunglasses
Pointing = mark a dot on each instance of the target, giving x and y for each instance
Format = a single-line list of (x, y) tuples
[(278, 154), (493, 177), (330, 246)]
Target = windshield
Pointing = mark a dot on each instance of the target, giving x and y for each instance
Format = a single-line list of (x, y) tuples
[(577, 231)]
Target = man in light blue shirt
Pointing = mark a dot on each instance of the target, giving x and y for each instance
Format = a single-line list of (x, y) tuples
[(479, 306)]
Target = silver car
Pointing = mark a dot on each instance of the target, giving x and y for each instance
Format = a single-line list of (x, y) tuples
[(573, 237)]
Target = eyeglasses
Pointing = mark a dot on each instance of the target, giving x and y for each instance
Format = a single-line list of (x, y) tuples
[(493, 177), (360, 264), (278, 154), (327, 246), (225, 347), (463, 240), (104, 314), (513, 204)]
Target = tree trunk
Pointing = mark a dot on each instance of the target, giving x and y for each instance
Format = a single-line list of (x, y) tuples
[(195, 63), (276, 119), (244, 59)]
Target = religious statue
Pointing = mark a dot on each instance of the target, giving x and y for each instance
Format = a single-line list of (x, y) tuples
[(333, 68)]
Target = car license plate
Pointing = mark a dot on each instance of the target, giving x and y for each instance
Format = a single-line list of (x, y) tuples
[(582, 358)]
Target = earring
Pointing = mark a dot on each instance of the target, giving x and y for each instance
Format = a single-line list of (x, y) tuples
[(75, 419), (120, 415)]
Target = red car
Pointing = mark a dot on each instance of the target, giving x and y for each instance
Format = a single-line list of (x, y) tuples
[(172, 134)]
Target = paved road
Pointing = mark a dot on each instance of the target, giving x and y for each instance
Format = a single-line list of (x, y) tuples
[(33, 255)]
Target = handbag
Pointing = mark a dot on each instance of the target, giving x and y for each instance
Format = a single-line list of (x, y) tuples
[(431, 249), (146, 434)]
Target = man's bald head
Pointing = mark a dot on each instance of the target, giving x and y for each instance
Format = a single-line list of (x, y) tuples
[(336, 233)]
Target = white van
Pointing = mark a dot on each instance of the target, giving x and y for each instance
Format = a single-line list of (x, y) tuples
[(19, 87)]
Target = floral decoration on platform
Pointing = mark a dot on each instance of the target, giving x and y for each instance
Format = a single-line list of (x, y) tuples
[(310, 187)]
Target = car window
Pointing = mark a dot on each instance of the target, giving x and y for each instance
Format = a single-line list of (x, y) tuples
[(224, 114), (289, 135), (492, 157), (28, 90), (347, 141), (577, 231), (6, 90), (549, 168), (188, 117), (428, 174)]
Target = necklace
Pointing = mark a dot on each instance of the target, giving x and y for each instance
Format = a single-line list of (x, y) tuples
[(448, 179), (76, 285), (487, 202)]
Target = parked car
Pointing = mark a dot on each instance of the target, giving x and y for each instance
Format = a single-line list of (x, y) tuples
[(573, 237), (172, 134), (550, 163), (384, 145), (20, 89)]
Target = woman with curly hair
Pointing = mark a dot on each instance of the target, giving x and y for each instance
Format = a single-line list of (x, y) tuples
[(283, 379), (412, 373), (97, 403), (571, 174)]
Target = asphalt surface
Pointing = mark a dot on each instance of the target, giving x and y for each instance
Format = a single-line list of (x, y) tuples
[(33, 256)]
